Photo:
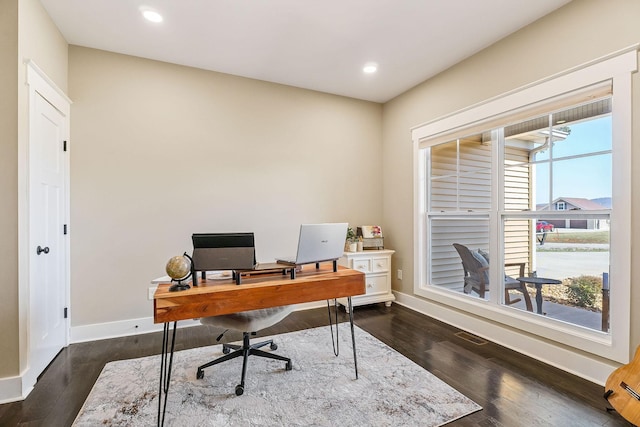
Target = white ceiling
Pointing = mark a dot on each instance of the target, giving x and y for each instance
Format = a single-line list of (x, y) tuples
[(314, 44)]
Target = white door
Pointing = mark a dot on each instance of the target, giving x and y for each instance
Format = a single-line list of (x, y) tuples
[(47, 257)]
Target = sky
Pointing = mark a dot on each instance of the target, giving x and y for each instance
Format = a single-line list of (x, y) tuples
[(588, 177)]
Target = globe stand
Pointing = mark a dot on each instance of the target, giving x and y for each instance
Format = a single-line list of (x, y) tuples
[(179, 268), (179, 286)]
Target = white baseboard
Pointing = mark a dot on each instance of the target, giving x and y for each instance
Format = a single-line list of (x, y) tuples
[(11, 390), (120, 328), (561, 357)]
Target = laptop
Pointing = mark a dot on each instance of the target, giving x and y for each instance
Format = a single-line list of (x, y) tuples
[(318, 243), (223, 251)]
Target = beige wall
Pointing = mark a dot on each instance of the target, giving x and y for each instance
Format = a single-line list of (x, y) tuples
[(575, 34), (161, 151), (41, 41), (9, 187)]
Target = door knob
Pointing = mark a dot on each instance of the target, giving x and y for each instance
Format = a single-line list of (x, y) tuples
[(39, 250)]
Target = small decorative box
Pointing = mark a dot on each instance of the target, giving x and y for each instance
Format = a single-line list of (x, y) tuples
[(373, 243)]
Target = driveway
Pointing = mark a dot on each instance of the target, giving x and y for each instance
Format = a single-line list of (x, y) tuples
[(560, 265)]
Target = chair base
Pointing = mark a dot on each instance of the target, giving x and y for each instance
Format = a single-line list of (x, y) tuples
[(245, 350)]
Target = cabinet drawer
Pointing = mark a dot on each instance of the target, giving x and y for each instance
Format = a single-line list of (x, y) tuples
[(376, 284), (380, 264), (363, 264)]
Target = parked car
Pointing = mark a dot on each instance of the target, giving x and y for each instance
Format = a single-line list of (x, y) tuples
[(543, 227)]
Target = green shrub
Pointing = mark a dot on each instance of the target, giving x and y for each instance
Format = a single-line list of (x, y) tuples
[(583, 291)]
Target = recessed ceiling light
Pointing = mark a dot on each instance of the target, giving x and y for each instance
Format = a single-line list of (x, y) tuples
[(371, 67), (152, 15)]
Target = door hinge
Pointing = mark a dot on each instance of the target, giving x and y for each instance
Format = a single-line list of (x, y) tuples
[(64, 145), (66, 312), (64, 229)]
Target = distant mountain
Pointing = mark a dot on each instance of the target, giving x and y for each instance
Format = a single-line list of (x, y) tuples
[(604, 201)]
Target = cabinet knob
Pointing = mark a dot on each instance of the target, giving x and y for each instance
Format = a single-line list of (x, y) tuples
[(369, 285)]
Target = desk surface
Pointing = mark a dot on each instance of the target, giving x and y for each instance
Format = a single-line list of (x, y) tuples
[(217, 297)]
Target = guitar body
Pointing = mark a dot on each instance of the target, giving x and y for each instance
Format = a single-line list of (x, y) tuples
[(622, 390)]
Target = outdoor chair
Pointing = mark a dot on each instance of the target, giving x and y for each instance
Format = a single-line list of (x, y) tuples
[(476, 276)]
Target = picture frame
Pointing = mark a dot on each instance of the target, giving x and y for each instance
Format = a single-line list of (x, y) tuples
[(371, 231)]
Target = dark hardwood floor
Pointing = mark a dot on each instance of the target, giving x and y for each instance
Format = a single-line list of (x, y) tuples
[(514, 390)]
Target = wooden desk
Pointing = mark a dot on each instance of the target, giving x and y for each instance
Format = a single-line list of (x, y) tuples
[(218, 297)]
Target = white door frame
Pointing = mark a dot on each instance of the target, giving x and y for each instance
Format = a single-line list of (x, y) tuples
[(38, 85)]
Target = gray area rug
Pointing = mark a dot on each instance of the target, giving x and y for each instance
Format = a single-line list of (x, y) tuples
[(321, 390)]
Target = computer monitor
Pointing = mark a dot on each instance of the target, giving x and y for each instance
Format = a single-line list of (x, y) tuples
[(222, 240), (223, 251)]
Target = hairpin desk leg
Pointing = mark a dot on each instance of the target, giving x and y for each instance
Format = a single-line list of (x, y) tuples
[(165, 370), (353, 337)]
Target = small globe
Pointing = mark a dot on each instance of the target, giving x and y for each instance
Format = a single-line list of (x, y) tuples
[(178, 267)]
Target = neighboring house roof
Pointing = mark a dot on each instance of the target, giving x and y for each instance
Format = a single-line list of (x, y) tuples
[(582, 204), (577, 202)]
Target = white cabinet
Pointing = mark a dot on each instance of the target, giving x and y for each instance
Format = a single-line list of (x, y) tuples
[(377, 268)]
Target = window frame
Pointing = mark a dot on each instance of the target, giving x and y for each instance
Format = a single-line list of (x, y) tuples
[(616, 69)]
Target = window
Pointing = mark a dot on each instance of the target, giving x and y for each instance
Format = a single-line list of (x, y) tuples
[(561, 158), (459, 205), (509, 189)]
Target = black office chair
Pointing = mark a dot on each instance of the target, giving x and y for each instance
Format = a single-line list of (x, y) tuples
[(247, 322)]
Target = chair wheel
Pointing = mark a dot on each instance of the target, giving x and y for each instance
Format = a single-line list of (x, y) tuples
[(225, 349), (288, 367), (200, 374), (273, 346), (239, 390)]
